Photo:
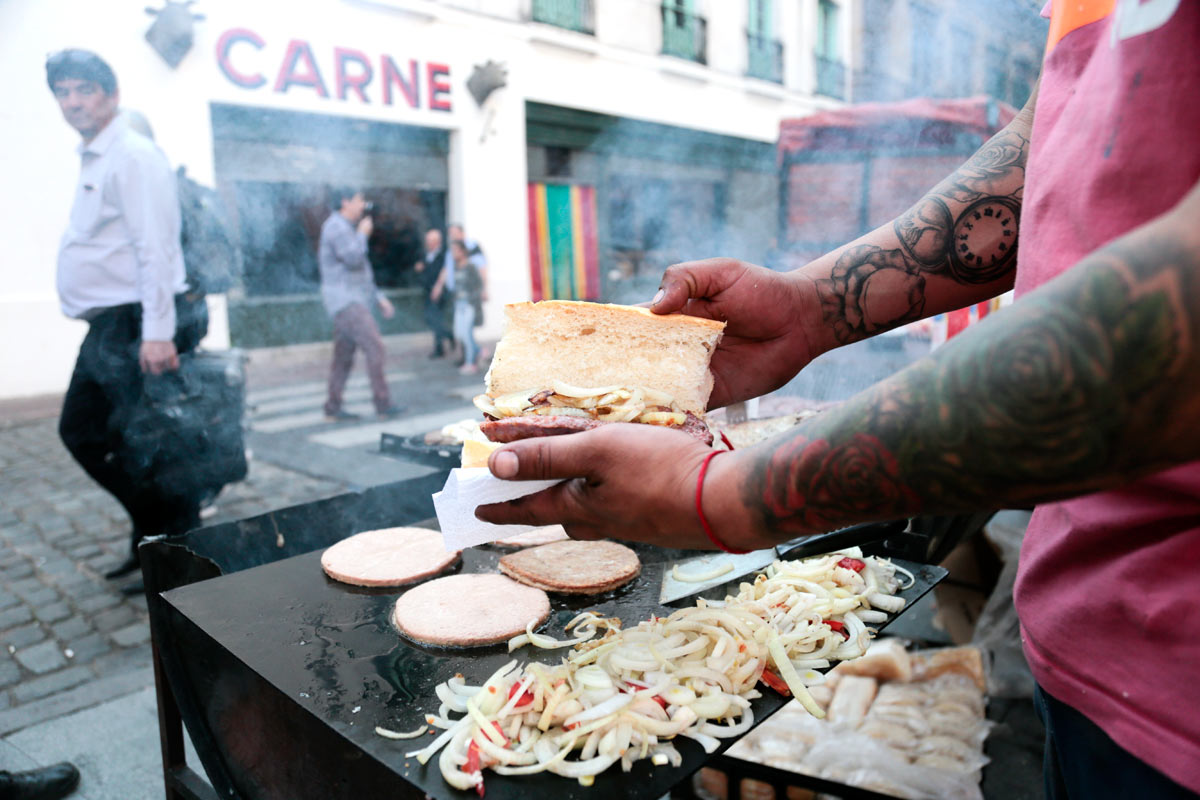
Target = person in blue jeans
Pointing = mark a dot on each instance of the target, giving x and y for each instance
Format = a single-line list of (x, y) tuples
[(470, 290)]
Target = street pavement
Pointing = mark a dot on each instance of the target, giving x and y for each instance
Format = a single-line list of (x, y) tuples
[(75, 672)]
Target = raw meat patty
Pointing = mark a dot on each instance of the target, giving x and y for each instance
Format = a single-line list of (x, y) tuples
[(543, 535), (387, 557), (572, 567), (469, 610)]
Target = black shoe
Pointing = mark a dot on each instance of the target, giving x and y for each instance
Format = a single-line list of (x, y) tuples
[(391, 411), (134, 589), (126, 567), (45, 783), (436, 354), (341, 415)]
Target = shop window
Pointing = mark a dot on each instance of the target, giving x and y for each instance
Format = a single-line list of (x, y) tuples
[(684, 32), (764, 51), (574, 15), (653, 223), (558, 162), (280, 227)]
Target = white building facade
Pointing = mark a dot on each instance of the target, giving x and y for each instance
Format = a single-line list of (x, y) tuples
[(664, 114)]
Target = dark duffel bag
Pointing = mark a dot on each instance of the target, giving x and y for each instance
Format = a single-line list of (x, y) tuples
[(187, 437)]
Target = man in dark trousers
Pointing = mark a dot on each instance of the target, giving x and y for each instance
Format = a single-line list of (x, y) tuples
[(348, 290), (44, 783), (120, 268), (428, 268)]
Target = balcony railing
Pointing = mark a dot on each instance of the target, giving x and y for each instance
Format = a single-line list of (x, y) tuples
[(831, 78), (765, 58), (684, 34), (574, 15)]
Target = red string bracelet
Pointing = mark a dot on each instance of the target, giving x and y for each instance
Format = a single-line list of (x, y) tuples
[(712, 537)]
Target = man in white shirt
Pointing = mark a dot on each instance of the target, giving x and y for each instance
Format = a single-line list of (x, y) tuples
[(121, 269)]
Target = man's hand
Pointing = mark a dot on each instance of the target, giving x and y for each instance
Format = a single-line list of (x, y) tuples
[(768, 313), (627, 481), (386, 308), (436, 293), (366, 226), (156, 358)]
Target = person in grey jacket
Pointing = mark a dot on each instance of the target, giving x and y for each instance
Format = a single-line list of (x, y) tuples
[(348, 291)]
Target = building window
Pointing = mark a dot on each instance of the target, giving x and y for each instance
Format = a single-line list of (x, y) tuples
[(684, 31), (963, 48), (921, 36), (831, 73), (764, 51), (574, 15), (997, 80)]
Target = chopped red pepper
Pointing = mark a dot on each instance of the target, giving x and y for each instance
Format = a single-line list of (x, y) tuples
[(500, 731), (472, 767), (840, 627), (858, 565), (725, 439), (656, 698), (526, 696), (775, 682)]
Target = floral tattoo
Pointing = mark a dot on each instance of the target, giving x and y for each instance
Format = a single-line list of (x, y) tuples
[(1087, 382)]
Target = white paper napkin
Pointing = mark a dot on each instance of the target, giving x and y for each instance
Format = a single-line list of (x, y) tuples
[(467, 489)]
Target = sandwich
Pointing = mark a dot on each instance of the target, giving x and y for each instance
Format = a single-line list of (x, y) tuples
[(564, 366)]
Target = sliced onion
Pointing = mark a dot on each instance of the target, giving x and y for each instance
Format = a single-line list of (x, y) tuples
[(567, 390), (390, 734), (609, 706)]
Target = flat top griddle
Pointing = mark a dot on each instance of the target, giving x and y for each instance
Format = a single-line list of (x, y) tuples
[(331, 648)]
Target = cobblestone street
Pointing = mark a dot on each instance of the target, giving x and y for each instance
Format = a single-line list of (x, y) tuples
[(69, 637)]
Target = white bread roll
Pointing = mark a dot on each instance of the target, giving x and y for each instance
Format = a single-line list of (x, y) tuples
[(595, 344)]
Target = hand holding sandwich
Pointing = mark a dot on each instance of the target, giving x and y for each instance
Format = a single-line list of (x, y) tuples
[(632, 482), (767, 337)]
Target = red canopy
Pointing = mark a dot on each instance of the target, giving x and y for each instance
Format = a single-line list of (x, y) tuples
[(916, 122)]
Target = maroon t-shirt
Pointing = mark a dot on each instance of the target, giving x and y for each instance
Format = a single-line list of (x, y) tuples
[(1108, 590)]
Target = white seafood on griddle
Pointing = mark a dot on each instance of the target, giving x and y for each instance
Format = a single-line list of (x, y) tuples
[(626, 695)]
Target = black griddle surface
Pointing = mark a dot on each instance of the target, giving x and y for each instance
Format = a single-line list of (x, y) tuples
[(331, 648)]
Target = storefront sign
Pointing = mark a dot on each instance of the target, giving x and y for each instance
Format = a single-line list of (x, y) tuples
[(355, 74)]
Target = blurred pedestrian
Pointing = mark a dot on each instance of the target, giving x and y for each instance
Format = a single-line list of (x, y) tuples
[(429, 269), (348, 290), (479, 260), (120, 268), (470, 282)]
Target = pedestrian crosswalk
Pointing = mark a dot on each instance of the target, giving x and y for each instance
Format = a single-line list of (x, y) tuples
[(298, 409)]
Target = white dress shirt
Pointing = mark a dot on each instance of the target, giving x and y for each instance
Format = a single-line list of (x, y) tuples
[(122, 243)]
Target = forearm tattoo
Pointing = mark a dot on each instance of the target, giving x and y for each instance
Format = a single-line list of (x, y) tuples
[(1067, 391), (965, 229)]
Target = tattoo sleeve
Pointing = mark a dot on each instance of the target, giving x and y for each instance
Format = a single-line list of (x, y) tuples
[(1089, 382), (963, 233)]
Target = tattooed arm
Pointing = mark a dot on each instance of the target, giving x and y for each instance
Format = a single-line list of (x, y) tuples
[(956, 246), (1091, 381)]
